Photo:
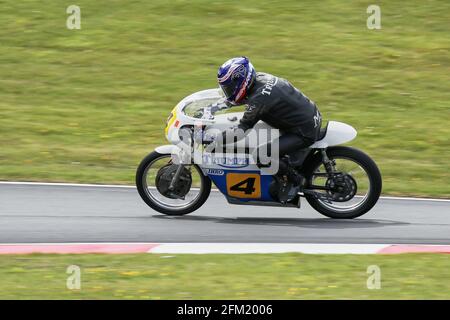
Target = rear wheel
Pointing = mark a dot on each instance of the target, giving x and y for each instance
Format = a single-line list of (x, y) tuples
[(352, 192), (153, 178)]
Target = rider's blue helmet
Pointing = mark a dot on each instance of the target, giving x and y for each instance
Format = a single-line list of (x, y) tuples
[(236, 77)]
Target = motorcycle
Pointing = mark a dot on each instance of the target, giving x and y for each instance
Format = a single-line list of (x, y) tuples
[(339, 182)]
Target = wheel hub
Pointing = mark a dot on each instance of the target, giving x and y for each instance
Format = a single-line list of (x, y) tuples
[(342, 187), (164, 178)]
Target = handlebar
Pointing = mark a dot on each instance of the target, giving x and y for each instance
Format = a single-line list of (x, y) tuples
[(209, 111)]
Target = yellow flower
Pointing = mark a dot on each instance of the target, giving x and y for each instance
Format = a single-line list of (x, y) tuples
[(130, 273)]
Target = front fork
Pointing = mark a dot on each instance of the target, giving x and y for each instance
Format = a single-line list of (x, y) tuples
[(175, 178), (328, 164), (182, 160)]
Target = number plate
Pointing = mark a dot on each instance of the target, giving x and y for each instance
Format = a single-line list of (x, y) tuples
[(244, 185)]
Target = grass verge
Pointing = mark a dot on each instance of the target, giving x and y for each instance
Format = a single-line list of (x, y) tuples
[(252, 276)]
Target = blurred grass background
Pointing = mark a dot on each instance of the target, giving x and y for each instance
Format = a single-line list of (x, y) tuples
[(226, 276), (86, 105)]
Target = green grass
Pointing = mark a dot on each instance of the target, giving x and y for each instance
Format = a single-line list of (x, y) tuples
[(297, 276), (86, 105)]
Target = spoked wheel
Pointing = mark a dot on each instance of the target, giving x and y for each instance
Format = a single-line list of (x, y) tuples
[(352, 191), (153, 178)]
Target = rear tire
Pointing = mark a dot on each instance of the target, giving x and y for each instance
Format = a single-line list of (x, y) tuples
[(361, 159), (141, 187)]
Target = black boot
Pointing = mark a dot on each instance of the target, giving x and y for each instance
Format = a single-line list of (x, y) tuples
[(294, 177), (290, 182), (287, 191), (286, 169)]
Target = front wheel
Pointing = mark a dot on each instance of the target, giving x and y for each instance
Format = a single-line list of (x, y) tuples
[(352, 192), (153, 177)]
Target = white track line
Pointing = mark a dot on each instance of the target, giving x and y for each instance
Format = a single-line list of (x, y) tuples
[(84, 185), (70, 243), (61, 184)]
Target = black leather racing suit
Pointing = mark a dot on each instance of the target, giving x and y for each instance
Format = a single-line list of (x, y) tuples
[(278, 103)]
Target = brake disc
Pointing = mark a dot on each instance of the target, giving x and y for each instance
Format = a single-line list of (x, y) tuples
[(343, 187), (164, 178)]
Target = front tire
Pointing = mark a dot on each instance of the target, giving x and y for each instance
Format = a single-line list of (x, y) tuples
[(365, 163), (169, 209)]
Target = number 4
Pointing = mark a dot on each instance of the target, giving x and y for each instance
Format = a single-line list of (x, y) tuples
[(243, 185), (249, 186)]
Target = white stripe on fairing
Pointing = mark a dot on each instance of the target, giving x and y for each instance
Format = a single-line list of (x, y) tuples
[(241, 248), (81, 185)]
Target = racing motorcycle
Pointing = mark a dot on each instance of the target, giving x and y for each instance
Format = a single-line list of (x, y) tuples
[(339, 182)]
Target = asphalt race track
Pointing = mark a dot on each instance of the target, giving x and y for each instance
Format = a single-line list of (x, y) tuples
[(50, 213)]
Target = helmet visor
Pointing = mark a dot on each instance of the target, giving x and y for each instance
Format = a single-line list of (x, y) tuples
[(228, 90)]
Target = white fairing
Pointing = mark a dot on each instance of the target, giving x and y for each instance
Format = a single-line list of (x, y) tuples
[(337, 133), (166, 149)]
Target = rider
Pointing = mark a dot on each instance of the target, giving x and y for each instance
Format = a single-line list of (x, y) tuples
[(275, 101)]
